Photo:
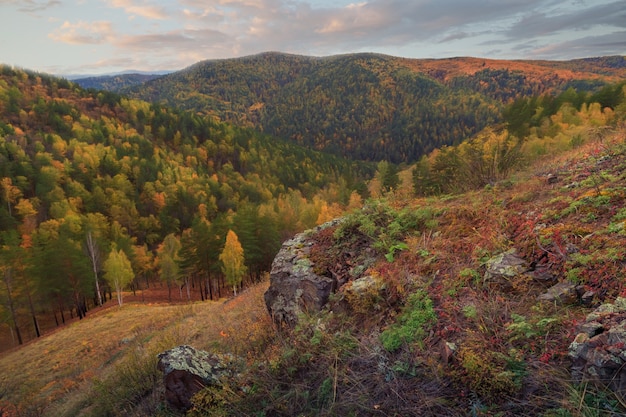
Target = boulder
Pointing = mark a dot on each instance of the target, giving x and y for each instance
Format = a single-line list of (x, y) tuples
[(187, 370), (295, 287), (504, 267), (598, 352)]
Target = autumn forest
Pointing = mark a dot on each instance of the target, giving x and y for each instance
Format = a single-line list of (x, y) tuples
[(187, 185)]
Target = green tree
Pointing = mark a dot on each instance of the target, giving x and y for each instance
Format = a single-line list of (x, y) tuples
[(388, 176), (232, 259), (167, 260), (118, 272)]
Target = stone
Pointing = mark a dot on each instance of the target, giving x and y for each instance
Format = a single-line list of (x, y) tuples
[(598, 351), (563, 293), (295, 287), (187, 370), (364, 294), (505, 266)]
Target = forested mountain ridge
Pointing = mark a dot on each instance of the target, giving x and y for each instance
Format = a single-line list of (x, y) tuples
[(369, 106), (115, 83), (84, 174)]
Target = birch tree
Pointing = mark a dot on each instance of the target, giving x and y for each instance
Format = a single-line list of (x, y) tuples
[(232, 259), (118, 272)]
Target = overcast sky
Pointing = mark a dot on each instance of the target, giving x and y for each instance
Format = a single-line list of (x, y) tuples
[(103, 36)]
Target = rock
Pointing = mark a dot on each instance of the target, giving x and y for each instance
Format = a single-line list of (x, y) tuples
[(552, 178), (563, 293), (542, 274), (364, 294), (294, 285), (587, 298), (598, 352), (187, 370), (504, 267)]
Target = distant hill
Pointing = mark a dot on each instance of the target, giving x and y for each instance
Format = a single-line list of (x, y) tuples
[(369, 106), (114, 83)]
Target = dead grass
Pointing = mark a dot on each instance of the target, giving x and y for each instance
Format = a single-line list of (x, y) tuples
[(54, 375)]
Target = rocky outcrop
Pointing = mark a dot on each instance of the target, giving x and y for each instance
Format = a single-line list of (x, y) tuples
[(295, 287), (599, 352), (187, 370)]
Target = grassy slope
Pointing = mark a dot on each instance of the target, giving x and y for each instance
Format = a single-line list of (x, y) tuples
[(510, 356), (78, 370), (494, 349)]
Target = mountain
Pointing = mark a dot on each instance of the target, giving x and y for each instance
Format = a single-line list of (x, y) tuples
[(114, 83), (369, 106)]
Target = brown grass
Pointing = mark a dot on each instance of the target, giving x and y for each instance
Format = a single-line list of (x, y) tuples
[(54, 375)]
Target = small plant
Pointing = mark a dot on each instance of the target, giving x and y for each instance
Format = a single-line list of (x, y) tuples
[(521, 328), (392, 250), (417, 317), (469, 311)]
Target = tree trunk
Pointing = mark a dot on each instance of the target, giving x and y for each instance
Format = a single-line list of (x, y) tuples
[(33, 315), (209, 285), (94, 256), (7, 282)]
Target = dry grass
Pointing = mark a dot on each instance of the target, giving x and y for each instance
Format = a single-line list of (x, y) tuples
[(55, 375)]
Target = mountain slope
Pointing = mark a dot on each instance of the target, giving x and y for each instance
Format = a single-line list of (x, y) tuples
[(369, 106), (418, 329)]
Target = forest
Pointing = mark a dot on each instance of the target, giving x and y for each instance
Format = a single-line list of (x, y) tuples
[(89, 175), (368, 106), (103, 195)]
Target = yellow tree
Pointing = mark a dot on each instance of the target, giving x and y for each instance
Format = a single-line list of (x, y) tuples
[(118, 271), (232, 259), (10, 193)]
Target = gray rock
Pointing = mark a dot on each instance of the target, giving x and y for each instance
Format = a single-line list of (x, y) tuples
[(504, 267), (563, 293), (187, 370), (598, 352), (294, 286)]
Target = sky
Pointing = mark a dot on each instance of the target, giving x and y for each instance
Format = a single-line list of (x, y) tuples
[(66, 37)]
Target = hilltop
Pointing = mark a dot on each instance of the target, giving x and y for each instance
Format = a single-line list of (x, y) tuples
[(370, 106)]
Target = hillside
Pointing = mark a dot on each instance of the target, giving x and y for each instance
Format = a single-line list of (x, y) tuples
[(425, 317), (83, 173), (369, 106)]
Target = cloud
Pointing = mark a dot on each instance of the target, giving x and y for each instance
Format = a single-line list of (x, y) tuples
[(31, 6), (83, 33), (175, 40), (144, 10), (540, 23), (175, 33), (586, 46)]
